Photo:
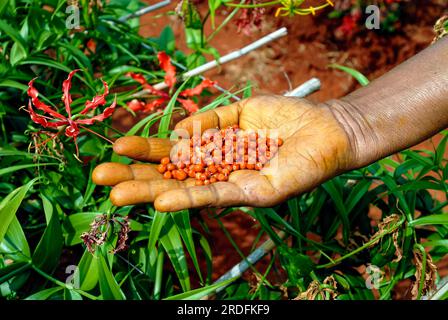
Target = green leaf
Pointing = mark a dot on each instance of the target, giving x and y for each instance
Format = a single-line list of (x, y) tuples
[(13, 84), (13, 33), (70, 294), (82, 59), (75, 224), (333, 189), (166, 40), (213, 6), (156, 226), (182, 221), (432, 219), (48, 208), (296, 264), (208, 257), (139, 125), (48, 250), (167, 113), (45, 62), (14, 243), (44, 294), (17, 53), (356, 194), (110, 290), (12, 270), (24, 166), (172, 244), (197, 294), (440, 150), (10, 204), (87, 272), (362, 79)]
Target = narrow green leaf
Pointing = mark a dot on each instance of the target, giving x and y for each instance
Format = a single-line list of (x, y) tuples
[(13, 84), (44, 294), (432, 219), (168, 112), (48, 250), (12, 33), (172, 244), (336, 195), (110, 290), (362, 79), (201, 292), (182, 221), (12, 270), (10, 204), (14, 243), (24, 166), (156, 226), (87, 272), (17, 53), (356, 194)]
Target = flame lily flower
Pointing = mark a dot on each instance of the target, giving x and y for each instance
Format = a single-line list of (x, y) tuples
[(72, 123), (170, 80)]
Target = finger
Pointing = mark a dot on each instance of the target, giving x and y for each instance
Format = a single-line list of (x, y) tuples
[(220, 194), (111, 173), (221, 117), (143, 191), (143, 149)]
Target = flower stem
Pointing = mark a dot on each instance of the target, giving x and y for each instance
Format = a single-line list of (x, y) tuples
[(251, 6), (62, 284)]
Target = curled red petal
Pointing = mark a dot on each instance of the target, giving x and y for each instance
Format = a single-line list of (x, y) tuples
[(189, 105), (135, 105), (142, 80), (154, 104), (206, 83), (66, 97), (37, 118), (137, 77), (99, 100), (170, 70), (33, 94), (72, 130), (106, 114)]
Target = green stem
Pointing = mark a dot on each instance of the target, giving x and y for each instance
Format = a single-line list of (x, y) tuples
[(262, 280), (251, 6), (159, 274), (62, 284), (365, 246), (224, 23), (238, 250)]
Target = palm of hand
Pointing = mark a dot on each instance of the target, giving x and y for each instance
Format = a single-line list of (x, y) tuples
[(315, 149)]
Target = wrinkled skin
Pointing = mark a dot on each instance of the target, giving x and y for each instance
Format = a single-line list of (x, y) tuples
[(315, 148), (400, 109)]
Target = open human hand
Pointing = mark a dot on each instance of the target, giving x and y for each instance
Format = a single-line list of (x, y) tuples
[(316, 147)]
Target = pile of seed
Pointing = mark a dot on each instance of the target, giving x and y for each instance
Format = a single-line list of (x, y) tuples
[(213, 156)]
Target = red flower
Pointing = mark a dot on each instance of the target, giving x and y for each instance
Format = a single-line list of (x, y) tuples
[(349, 24), (72, 123), (170, 80)]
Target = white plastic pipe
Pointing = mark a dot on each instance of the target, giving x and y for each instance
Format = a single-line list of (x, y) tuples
[(145, 10)]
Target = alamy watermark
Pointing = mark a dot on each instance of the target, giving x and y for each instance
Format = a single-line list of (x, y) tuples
[(72, 281), (375, 276), (373, 20), (73, 19)]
